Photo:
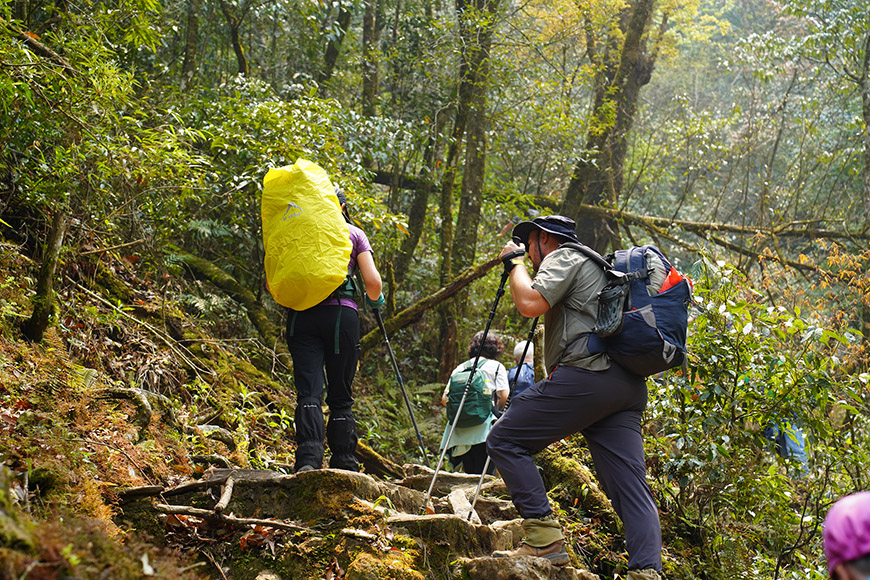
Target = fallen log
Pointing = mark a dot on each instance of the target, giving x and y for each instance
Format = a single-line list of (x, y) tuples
[(203, 269), (413, 312)]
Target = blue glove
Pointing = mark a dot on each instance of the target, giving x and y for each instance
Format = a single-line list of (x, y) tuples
[(375, 304)]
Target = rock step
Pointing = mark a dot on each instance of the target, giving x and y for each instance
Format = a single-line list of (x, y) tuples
[(525, 568), (454, 540)]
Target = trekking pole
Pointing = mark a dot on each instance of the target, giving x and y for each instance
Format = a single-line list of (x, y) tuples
[(401, 383), (507, 404), (499, 293)]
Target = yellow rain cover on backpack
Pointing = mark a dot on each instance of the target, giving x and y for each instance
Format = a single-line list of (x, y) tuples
[(305, 237)]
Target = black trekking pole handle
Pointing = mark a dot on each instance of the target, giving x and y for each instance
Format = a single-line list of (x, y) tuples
[(508, 259), (499, 293), (507, 404), (401, 384)]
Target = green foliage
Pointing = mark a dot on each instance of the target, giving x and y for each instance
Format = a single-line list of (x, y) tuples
[(720, 482), (751, 118)]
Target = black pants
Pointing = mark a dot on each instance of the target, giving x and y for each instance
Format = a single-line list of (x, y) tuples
[(606, 407), (313, 337), (473, 460)]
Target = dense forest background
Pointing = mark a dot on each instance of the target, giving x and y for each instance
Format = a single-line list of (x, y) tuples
[(733, 134)]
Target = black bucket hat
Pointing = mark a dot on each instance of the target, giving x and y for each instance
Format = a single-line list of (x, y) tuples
[(553, 224)]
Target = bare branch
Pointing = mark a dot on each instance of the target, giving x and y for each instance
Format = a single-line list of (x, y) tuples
[(795, 229), (184, 510), (416, 310)]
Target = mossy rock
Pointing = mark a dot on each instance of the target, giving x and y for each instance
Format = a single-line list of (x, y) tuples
[(43, 480), (324, 496), (450, 535), (139, 516), (392, 564), (527, 568), (110, 285), (12, 534)]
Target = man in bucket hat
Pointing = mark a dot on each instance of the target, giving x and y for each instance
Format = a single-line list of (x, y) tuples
[(847, 537), (584, 392)]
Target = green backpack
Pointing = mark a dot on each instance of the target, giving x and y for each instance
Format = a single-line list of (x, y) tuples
[(477, 406)]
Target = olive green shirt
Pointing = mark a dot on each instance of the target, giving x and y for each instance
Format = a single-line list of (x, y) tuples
[(570, 283)]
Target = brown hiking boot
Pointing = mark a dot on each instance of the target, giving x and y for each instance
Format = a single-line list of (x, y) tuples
[(555, 552)]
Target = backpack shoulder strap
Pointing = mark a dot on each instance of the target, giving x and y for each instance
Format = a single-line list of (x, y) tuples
[(469, 364), (589, 253)]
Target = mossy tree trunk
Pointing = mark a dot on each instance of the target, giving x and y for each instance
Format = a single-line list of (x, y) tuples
[(625, 66), (370, 62), (477, 21), (43, 301), (333, 47), (191, 44), (268, 331), (415, 311), (234, 24)]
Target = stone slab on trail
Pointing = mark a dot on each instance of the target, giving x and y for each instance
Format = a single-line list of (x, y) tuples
[(453, 533), (448, 481), (524, 568), (309, 496)]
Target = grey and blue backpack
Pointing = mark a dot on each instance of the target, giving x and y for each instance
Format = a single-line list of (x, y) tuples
[(643, 311)]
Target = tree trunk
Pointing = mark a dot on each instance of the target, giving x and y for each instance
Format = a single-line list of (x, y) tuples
[(370, 60), (475, 39), (864, 85), (600, 180), (234, 23), (43, 301), (191, 40), (420, 202), (468, 220), (333, 48), (19, 11)]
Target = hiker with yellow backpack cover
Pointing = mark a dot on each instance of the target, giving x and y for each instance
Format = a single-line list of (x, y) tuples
[(312, 252)]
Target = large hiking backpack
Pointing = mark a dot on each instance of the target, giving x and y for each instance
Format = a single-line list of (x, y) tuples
[(643, 311), (477, 406), (305, 238), (525, 379)]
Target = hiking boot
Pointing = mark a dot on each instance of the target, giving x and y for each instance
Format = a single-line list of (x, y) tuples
[(555, 552), (305, 468), (648, 574)]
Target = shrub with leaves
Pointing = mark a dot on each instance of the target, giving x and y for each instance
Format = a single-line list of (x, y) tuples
[(723, 489)]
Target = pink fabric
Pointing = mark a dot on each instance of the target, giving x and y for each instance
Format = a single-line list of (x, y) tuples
[(847, 529)]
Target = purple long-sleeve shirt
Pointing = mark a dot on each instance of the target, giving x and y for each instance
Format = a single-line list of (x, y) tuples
[(360, 244)]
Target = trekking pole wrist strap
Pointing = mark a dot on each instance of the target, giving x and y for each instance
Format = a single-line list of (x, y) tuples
[(515, 258)]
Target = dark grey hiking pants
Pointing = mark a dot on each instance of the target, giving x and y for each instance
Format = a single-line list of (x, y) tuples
[(606, 407)]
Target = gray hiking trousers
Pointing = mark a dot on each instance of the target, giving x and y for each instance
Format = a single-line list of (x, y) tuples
[(606, 407)]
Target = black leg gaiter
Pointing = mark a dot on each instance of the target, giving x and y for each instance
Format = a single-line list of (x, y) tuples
[(309, 433), (342, 438)]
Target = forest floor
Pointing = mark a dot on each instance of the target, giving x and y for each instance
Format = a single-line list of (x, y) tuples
[(129, 397)]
